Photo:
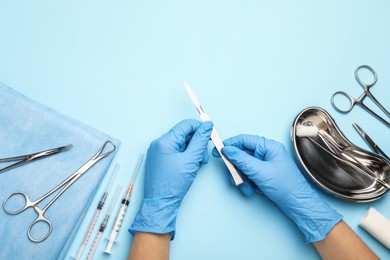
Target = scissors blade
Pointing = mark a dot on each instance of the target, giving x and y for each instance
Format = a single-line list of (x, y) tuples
[(214, 135), (369, 141)]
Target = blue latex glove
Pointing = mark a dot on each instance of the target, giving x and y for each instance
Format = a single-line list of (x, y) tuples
[(269, 168), (171, 166)]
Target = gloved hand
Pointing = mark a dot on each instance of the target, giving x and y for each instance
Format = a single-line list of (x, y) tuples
[(171, 166), (269, 167)]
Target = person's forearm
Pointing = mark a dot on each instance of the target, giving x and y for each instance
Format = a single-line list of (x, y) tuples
[(342, 243), (150, 246)]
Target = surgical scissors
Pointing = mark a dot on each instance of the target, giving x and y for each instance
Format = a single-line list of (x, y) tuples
[(24, 159), (366, 93), (64, 185), (374, 147)]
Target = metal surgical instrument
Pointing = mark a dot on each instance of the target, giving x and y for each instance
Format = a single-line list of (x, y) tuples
[(370, 142), (64, 185), (338, 152), (103, 226), (122, 210), (24, 159), (214, 135), (366, 93), (97, 213)]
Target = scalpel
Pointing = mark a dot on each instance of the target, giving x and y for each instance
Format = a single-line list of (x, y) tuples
[(214, 135)]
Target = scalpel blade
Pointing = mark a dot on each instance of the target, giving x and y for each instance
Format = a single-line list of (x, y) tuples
[(214, 135), (193, 97)]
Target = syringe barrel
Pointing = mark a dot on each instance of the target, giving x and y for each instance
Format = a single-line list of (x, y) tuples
[(88, 234), (117, 225), (94, 245)]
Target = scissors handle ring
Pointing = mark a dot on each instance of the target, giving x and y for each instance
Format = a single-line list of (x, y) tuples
[(351, 100), (27, 202), (40, 218), (363, 84)]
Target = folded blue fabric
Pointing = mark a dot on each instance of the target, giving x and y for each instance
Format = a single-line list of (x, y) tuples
[(28, 127)]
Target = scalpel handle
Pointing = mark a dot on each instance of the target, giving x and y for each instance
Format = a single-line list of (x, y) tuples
[(219, 145)]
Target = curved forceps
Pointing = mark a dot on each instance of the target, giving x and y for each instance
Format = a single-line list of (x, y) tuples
[(64, 185), (366, 93), (24, 159)]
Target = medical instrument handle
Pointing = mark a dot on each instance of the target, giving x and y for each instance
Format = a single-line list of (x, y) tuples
[(378, 104), (219, 145), (66, 183), (41, 218), (354, 102), (29, 203), (351, 101), (366, 86), (214, 135), (359, 101), (386, 123), (71, 179)]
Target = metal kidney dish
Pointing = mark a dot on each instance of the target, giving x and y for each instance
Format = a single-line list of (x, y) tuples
[(344, 174)]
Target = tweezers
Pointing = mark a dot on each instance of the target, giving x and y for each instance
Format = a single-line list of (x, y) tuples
[(24, 159)]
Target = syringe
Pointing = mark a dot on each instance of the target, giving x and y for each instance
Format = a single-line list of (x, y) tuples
[(97, 213), (103, 225), (122, 211)]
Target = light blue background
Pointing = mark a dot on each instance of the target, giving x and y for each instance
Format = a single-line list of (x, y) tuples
[(119, 66)]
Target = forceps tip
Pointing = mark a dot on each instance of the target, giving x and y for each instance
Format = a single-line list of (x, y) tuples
[(62, 148), (357, 127), (66, 147)]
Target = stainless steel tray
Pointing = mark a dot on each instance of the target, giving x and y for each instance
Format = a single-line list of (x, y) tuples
[(339, 177)]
